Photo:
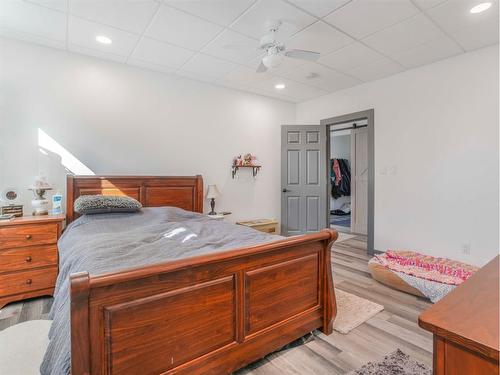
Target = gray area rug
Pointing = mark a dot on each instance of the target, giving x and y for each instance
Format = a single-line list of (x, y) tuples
[(397, 363)]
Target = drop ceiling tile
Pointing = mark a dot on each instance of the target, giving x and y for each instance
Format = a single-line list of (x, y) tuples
[(160, 53), (271, 94), (132, 16), (256, 91), (470, 30), (96, 53), (426, 4), (319, 8), (234, 47), (231, 85), (454, 15), (61, 5), (31, 38), (404, 35), (222, 12), (270, 81), (82, 33), (195, 76), (321, 77), (350, 57), (477, 36), (255, 22), (151, 66), (179, 28), (33, 23), (376, 70), (295, 90), (243, 76), (360, 18), (208, 66), (319, 37), (435, 50)]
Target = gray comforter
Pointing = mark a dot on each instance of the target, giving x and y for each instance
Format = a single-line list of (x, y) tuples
[(110, 242)]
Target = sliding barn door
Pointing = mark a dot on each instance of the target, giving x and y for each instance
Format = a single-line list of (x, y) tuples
[(303, 179), (359, 181)]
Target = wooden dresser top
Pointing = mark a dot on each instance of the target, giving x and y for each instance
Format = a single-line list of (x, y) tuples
[(469, 315), (32, 220)]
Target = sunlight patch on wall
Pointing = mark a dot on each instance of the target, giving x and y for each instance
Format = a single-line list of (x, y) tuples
[(68, 160)]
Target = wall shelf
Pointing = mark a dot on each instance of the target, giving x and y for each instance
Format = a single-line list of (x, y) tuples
[(255, 169)]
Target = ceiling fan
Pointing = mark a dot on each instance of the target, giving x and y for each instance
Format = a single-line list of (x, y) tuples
[(276, 50)]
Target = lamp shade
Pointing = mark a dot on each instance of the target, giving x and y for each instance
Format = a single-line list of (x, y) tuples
[(40, 183), (212, 192)]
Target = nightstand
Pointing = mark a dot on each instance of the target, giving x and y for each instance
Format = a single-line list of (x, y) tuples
[(28, 256), (263, 225)]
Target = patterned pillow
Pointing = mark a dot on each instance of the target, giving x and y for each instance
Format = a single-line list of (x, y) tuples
[(98, 204)]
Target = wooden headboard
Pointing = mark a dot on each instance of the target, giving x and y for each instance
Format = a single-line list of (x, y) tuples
[(152, 191)]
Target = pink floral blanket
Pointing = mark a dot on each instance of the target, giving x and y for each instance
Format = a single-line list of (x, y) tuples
[(442, 270)]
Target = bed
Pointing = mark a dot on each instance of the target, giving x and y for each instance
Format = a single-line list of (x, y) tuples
[(204, 314)]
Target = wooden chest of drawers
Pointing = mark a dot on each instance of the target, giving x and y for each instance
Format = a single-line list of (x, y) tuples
[(465, 325), (28, 257), (263, 225)]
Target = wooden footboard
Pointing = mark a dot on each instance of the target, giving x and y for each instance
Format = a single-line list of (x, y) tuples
[(208, 314)]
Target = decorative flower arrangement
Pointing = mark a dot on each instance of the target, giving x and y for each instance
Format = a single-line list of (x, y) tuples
[(238, 161), (248, 160)]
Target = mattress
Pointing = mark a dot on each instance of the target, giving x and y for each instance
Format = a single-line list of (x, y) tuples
[(111, 242)]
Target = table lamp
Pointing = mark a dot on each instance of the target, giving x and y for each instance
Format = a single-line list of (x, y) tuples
[(39, 202), (212, 193)]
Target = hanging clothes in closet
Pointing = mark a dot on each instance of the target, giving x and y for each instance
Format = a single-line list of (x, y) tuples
[(340, 175)]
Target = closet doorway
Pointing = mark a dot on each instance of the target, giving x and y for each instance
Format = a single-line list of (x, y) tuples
[(350, 150)]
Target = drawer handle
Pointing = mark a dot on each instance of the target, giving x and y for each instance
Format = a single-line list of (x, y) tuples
[(28, 236), (28, 259), (29, 281)]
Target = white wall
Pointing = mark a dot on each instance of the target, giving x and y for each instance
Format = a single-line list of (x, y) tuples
[(436, 138), (340, 146), (123, 120), (436, 154)]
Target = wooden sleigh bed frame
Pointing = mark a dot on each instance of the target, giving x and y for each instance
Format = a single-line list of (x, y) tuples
[(209, 314)]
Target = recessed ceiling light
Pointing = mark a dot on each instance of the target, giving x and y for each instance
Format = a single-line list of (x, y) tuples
[(279, 86), (103, 39), (480, 8)]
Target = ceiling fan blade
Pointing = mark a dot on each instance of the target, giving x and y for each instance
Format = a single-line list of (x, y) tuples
[(261, 68), (303, 55)]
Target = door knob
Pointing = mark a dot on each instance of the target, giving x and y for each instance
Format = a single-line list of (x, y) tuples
[(285, 190)]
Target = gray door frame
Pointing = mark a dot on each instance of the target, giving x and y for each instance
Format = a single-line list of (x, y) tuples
[(369, 115)]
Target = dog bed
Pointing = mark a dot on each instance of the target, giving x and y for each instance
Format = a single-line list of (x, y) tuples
[(419, 274), (387, 277)]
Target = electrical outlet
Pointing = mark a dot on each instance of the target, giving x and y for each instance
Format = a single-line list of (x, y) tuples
[(393, 170), (466, 248)]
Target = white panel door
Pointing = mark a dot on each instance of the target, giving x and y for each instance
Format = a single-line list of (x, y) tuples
[(303, 179)]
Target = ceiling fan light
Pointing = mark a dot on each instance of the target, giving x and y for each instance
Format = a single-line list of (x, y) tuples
[(272, 61)]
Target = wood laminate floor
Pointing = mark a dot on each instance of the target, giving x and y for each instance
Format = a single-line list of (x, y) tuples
[(395, 327)]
